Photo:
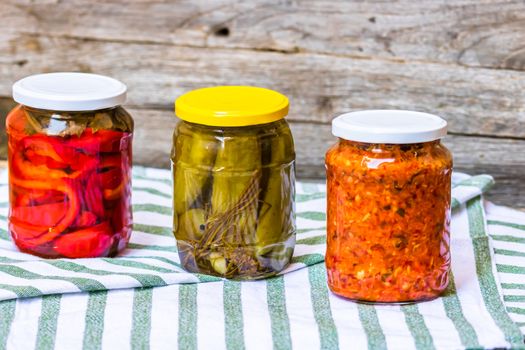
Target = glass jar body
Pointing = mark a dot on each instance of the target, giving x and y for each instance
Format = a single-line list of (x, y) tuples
[(388, 228), (234, 190), (70, 181)]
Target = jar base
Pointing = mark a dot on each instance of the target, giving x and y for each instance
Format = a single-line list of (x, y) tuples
[(243, 278), (387, 303), (392, 303)]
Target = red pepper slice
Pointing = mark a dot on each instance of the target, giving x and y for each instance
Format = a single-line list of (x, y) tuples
[(85, 219), (86, 243), (46, 214), (48, 146), (37, 159), (93, 199), (25, 168), (68, 188), (111, 178), (23, 231), (25, 198), (42, 149), (99, 141)]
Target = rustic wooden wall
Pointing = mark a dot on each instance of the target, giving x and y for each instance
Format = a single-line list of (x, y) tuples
[(462, 59)]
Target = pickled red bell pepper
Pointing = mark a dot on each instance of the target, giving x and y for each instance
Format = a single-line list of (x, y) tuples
[(69, 194), (86, 243)]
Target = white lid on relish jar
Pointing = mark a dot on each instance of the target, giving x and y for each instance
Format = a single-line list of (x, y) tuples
[(389, 126), (69, 91)]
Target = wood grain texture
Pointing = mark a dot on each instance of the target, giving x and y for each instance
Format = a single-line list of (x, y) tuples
[(463, 60), (487, 33)]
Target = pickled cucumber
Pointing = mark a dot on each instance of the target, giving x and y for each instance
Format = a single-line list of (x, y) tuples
[(191, 225), (193, 161), (276, 215)]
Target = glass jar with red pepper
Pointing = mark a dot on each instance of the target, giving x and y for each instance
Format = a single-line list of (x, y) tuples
[(388, 212), (69, 152)]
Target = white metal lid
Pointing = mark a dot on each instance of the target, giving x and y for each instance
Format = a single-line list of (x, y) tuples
[(69, 91), (389, 126)]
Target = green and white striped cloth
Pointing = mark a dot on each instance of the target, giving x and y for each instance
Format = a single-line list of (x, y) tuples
[(91, 303)]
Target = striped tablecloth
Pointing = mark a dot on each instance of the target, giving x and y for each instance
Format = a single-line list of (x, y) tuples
[(91, 303)]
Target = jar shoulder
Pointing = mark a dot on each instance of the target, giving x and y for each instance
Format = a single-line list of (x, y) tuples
[(27, 120), (272, 142), (370, 157)]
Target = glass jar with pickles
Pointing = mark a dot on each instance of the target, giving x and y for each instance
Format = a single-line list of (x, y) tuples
[(234, 182), (389, 195), (69, 153)]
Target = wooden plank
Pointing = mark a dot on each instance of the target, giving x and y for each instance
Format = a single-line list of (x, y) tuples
[(469, 32), (476, 101)]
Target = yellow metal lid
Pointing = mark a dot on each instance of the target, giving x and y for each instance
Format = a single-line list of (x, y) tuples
[(231, 106)]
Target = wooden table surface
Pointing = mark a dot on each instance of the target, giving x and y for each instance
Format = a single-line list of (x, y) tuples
[(463, 60)]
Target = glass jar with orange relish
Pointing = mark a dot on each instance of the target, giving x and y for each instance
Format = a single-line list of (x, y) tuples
[(388, 211)]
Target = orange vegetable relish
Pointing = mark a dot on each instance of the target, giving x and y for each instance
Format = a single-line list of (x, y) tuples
[(388, 220)]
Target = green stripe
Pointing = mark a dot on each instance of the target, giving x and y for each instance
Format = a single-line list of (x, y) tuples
[(160, 209), (483, 182), (141, 326), (142, 177), (507, 238), (275, 295), (305, 230), (516, 310), (518, 298), (312, 240), (159, 258), (84, 284), (48, 321), (166, 248), (312, 215), (152, 191), (4, 260), (310, 187), (4, 235), (418, 328), (321, 307), (187, 336), (233, 317), (486, 279), (308, 259), (510, 269), (309, 197), (94, 329), (138, 265), (513, 286), (455, 203), (508, 224), (22, 291), (206, 278), (154, 230), (7, 312), (144, 279), (373, 330), (454, 312), (509, 252)]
